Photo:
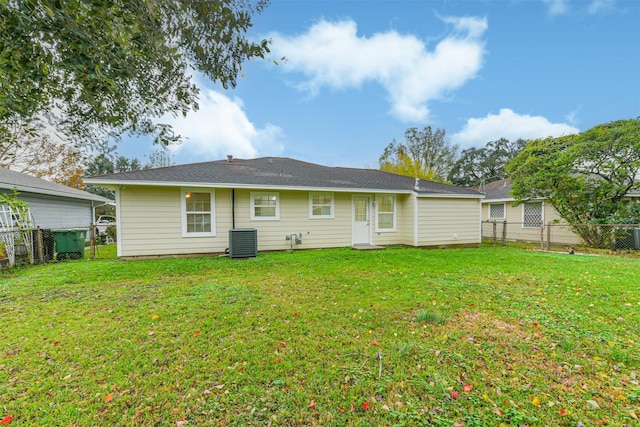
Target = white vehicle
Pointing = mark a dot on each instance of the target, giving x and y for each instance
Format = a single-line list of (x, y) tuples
[(103, 222)]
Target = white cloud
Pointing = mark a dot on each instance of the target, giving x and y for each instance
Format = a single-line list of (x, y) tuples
[(599, 6), (221, 127), (331, 54), (557, 7), (508, 124)]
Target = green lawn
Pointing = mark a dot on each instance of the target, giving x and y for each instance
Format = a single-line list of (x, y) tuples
[(464, 337)]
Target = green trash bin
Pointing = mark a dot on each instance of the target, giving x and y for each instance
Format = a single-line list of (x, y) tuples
[(69, 243)]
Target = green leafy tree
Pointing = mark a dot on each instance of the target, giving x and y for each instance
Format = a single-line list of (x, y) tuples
[(486, 164), (585, 177), (89, 68), (424, 154), (105, 163)]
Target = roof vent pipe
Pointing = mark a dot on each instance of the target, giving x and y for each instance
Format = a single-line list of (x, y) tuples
[(229, 158), (417, 185)]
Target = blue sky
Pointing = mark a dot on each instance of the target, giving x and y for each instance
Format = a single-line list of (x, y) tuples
[(358, 73)]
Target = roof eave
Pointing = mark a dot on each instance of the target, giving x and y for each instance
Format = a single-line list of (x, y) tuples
[(450, 195), (115, 183), (35, 190)]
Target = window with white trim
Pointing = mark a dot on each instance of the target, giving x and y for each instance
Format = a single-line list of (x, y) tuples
[(386, 212), (265, 206), (496, 211), (321, 205), (198, 213), (532, 215)]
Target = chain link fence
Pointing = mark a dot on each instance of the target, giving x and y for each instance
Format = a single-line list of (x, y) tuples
[(564, 237), (38, 246)]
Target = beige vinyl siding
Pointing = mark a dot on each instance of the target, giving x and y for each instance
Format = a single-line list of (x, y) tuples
[(516, 231), (150, 220), (404, 224), (294, 218), (151, 223), (448, 221)]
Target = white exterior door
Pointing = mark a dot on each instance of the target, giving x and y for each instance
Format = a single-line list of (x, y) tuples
[(361, 229)]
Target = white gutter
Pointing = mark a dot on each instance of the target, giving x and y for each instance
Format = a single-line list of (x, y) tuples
[(116, 183)]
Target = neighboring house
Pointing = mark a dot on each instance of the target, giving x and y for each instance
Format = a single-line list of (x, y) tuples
[(52, 205), (524, 220), (189, 209)]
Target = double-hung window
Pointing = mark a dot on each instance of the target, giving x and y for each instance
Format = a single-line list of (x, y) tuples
[(321, 205), (386, 212), (532, 215), (265, 206), (198, 213)]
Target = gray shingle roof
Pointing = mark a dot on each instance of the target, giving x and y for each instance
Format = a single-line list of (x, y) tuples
[(501, 190), (24, 183), (498, 190), (278, 172)]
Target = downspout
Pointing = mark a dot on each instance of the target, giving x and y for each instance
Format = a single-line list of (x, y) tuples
[(416, 217), (233, 208)]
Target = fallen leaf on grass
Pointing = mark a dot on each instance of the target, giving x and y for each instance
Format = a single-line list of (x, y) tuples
[(496, 411), (536, 401), (108, 398), (196, 333), (563, 412), (467, 388), (6, 420), (454, 394), (312, 404), (593, 404), (374, 342), (366, 406)]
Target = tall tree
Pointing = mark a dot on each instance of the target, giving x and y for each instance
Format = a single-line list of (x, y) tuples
[(159, 157), (477, 165), (424, 154), (585, 177), (105, 163), (40, 156), (88, 68)]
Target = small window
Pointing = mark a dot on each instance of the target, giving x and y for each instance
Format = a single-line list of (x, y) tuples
[(265, 206), (198, 213), (386, 212), (496, 211), (320, 205), (532, 215)]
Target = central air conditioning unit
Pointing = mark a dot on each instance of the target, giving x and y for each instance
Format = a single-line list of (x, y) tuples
[(243, 243)]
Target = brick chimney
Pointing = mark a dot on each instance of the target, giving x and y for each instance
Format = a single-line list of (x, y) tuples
[(229, 158)]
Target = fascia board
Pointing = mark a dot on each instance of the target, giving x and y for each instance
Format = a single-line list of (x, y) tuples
[(450, 196), (115, 183)]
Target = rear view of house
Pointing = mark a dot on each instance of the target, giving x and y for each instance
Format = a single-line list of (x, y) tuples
[(189, 209)]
